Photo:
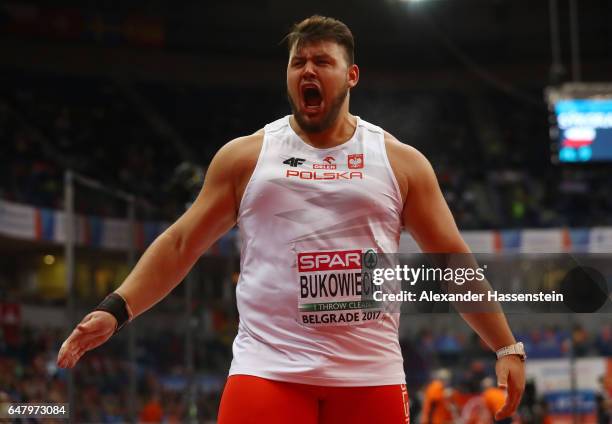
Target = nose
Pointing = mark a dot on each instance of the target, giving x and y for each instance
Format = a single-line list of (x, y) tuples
[(309, 71)]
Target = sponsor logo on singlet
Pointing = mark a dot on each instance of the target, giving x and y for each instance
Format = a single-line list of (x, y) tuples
[(355, 161), (295, 162), (329, 261), (328, 163), (334, 289)]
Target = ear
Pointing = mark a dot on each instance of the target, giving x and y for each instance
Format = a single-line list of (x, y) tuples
[(353, 75)]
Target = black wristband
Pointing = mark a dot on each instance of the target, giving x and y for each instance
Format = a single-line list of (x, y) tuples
[(116, 306)]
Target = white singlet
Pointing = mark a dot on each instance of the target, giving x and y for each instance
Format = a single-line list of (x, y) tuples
[(306, 217)]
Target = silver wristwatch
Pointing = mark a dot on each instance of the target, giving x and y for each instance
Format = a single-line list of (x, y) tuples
[(514, 349)]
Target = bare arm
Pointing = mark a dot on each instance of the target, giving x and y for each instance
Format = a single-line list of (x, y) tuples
[(427, 217), (170, 257), (168, 260)]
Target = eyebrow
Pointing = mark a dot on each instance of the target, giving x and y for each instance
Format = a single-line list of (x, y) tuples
[(316, 56)]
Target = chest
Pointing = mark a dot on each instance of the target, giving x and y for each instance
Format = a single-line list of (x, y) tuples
[(310, 184)]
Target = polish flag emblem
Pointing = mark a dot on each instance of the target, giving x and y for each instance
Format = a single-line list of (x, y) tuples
[(578, 137), (355, 161)]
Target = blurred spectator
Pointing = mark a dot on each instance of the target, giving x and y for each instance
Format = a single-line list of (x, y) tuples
[(437, 401), (152, 411), (604, 341), (603, 400), (580, 340)]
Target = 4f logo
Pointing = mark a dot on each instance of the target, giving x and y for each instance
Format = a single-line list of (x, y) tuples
[(355, 161), (295, 162)]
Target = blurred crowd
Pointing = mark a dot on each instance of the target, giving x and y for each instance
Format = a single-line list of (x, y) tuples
[(28, 372), (448, 346), (490, 151), (49, 124)]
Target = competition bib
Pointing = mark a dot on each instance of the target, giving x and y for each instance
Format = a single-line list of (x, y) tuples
[(335, 287)]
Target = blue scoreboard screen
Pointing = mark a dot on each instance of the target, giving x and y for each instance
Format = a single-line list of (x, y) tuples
[(584, 130)]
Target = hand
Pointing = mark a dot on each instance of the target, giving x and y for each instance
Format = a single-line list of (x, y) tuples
[(96, 328), (510, 372)]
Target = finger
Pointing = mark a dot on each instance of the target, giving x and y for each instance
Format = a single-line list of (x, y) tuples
[(93, 343), (517, 383), (512, 401), (75, 347), (68, 358), (502, 376), (69, 349), (71, 341), (65, 347), (80, 341), (75, 355), (72, 358), (510, 410), (504, 412), (518, 390), (78, 344), (86, 340), (65, 353)]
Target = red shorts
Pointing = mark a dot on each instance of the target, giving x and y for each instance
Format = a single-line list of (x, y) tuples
[(248, 399)]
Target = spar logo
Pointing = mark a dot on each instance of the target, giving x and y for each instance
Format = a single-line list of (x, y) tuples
[(329, 163), (329, 261), (355, 161)]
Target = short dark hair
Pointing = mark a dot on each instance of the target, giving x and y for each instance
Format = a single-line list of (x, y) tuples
[(322, 28)]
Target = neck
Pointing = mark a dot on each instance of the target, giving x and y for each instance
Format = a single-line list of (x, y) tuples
[(338, 133)]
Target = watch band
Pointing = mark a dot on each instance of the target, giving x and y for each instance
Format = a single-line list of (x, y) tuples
[(513, 349)]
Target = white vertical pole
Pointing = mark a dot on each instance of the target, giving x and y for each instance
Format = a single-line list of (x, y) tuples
[(575, 40), (69, 257), (556, 69), (131, 259)]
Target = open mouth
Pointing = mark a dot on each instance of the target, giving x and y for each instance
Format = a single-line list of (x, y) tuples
[(312, 97)]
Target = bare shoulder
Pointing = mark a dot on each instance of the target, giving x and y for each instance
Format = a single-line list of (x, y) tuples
[(238, 156), (243, 148), (235, 162), (398, 151), (407, 163)]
